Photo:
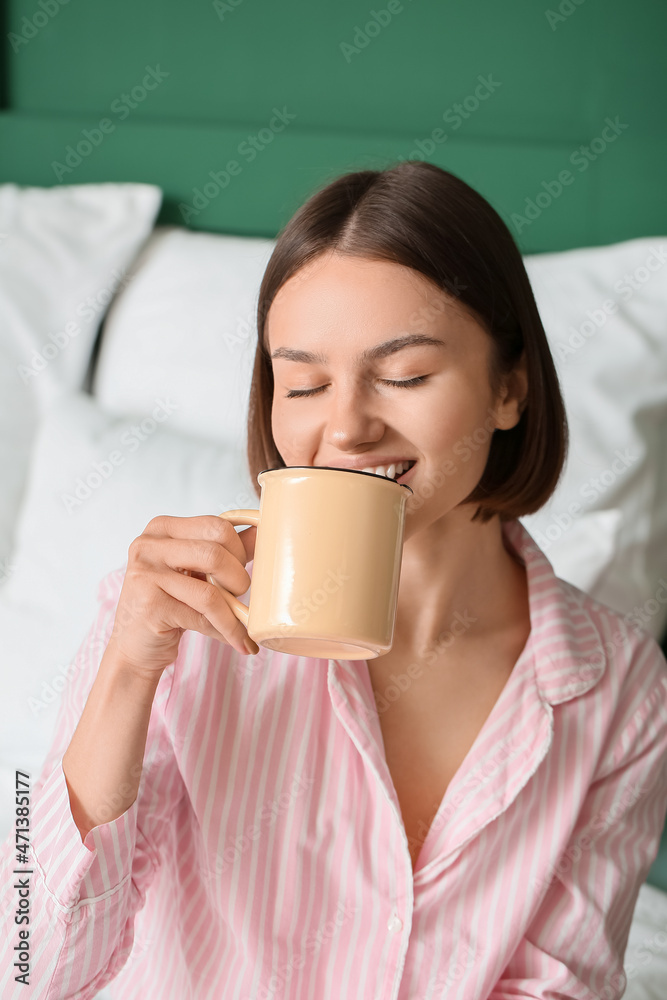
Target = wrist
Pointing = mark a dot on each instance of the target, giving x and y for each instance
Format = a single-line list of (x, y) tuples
[(114, 664)]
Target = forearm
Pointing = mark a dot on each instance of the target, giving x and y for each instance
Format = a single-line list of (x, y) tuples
[(103, 762)]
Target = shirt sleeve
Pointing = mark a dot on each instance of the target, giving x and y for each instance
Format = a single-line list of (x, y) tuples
[(84, 895), (576, 942)]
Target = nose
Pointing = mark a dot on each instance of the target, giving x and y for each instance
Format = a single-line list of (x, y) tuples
[(352, 419)]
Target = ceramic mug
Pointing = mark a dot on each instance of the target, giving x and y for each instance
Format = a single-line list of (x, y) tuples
[(327, 562)]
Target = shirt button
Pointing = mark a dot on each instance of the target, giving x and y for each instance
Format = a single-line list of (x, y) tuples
[(395, 924)]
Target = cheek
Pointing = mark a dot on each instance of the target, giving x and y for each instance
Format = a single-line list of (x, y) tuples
[(466, 414), (290, 432)]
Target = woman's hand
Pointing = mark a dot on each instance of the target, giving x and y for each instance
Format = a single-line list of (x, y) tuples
[(165, 590)]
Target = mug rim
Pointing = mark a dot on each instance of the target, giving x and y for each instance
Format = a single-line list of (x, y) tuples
[(336, 468)]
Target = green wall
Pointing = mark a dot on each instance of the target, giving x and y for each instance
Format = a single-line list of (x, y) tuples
[(360, 98)]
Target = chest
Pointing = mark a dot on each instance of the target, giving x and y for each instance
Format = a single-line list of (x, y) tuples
[(430, 728)]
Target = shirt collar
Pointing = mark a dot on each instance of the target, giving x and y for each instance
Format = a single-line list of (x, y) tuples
[(567, 651)]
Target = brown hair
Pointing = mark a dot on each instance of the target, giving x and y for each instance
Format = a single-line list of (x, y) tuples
[(426, 218)]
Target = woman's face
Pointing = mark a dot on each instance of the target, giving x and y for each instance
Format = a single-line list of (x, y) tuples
[(357, 414)]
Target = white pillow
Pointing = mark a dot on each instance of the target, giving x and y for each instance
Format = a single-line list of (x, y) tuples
[(645, 961), (63, 252), (95, 483), (605, 313), (186, 326), (585, 553)]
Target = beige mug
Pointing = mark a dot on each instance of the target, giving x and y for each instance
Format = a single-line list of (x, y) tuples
[(327, 562)]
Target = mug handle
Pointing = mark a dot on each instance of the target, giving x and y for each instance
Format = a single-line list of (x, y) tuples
[(250, 517)]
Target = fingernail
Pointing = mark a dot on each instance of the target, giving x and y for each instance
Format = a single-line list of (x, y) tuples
[(250, 645)]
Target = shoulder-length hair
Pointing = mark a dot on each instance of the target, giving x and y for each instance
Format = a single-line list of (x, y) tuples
[(426, 218)]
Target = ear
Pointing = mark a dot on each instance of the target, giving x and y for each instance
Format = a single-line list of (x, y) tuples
[(513, 396)]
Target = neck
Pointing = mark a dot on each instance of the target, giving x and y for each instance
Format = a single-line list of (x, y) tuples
[(459, 583)]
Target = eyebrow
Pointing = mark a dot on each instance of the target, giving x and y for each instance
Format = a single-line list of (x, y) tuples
[(372, 353)]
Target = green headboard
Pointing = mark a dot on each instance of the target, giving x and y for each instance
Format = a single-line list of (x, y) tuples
[(239, 109), (183, 85)]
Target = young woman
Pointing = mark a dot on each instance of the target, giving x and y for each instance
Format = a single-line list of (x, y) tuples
[(470, 815)]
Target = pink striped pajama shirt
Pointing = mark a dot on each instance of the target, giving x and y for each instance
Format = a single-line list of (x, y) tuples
[(265, 854)]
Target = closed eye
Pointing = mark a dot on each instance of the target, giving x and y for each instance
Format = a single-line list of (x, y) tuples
[(404, 384)]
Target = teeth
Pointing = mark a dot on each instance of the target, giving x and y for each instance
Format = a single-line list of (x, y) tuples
[(392, 471)]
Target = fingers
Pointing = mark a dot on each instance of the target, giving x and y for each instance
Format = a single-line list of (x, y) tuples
[(200, 607), (197, 555), (248, 538), (207, 527)]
